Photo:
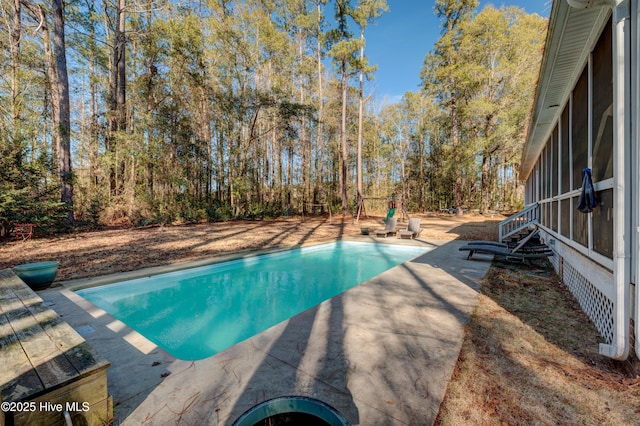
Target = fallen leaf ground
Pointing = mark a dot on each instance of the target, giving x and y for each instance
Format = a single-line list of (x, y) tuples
[(106, 251), (530, 357)]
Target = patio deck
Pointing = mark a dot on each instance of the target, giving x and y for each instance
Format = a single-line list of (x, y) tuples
[(381, 353)]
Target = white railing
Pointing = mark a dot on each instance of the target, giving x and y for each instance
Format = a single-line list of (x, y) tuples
[(519, 221)]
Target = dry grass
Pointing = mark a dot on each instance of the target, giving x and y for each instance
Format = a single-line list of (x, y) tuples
[(530, 358), (89, 254)]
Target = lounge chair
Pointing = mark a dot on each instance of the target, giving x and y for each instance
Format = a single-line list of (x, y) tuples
[(522, 250), (390, 228), (526, 248), (524, 243), (413, 230), (502, 251)]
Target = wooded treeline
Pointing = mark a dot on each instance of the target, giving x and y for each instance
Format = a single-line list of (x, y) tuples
[(211, 110)]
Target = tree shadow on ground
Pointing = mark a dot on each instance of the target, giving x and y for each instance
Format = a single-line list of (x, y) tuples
[(536, 295), (297, 364)]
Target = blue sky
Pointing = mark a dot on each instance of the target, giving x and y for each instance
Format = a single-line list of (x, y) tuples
[(399, 40)]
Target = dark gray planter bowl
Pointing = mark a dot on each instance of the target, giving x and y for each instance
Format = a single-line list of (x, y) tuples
[(37, 275), (292, 410)]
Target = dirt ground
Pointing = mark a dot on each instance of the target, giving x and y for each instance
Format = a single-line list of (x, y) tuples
[(529, 354), (88, 254)]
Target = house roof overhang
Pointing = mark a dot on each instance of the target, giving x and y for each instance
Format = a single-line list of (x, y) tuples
[(571, 35)]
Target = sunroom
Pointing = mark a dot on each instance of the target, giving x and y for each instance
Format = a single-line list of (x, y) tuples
[(584, 117)]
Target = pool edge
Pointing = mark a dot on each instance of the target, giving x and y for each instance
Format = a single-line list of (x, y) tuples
[(88, 282)]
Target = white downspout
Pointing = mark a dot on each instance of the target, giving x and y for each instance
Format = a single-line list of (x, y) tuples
[(67, 418), (636, 174), (622, 179), (619, 348)]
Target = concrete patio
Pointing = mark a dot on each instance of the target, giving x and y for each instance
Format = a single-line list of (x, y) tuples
[(381, 353)]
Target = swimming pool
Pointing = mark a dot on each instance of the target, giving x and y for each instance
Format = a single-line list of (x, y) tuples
[(196, 313)]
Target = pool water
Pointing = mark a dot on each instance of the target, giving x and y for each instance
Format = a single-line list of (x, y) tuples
[(196, 313)]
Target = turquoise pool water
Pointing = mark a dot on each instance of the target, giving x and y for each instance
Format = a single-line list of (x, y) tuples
[(196, 313)]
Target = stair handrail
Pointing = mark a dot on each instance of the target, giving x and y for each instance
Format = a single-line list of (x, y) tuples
[(518, 221)]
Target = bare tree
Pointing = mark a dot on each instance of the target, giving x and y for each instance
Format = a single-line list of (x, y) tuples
[(64, 126)]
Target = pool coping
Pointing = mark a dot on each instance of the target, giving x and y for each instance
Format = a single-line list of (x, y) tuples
[(380, 353)]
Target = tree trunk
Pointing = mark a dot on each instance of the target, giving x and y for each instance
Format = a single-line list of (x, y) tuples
[(93, 132), (455, 139), (53, 79), (121, 69), (16, 35), (303, 134), (319, 169), (343, 141), (117, 99), (121, 93), (485, 193), (64, 128), (360, 119)]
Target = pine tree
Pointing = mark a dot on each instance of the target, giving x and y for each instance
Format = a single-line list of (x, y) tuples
[(439, 78), (364, 14)]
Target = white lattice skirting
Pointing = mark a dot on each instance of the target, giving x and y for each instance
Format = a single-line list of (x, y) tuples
[(555, 262), (593, 302)]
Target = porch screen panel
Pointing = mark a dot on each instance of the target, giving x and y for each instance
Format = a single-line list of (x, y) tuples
[(603, 223), (534, 187), (544, 174), (554, 163), (554, 215), (565, 217), (580, 223), (579, 129), (602, 126), (545, 214), (565, 152), (548, 167)]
